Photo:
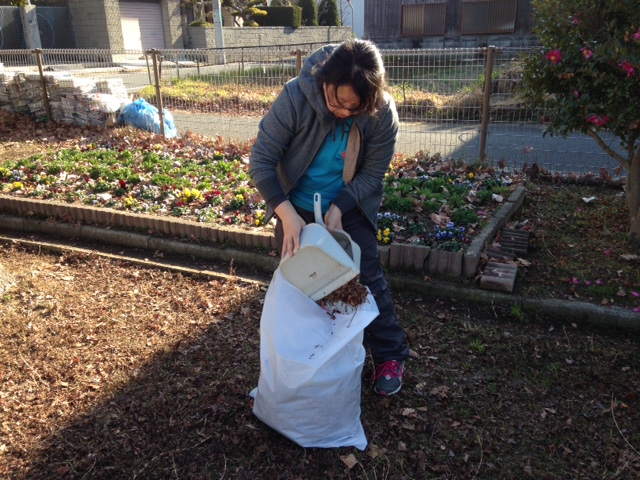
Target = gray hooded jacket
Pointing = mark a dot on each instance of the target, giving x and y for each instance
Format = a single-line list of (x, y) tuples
[(293, 131)]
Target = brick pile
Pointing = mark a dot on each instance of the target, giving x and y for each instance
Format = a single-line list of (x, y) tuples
[(72, 100)]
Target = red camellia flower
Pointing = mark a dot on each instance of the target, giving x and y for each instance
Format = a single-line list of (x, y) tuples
[(587, 52), (554, 56), (628, 67), (598, 120)]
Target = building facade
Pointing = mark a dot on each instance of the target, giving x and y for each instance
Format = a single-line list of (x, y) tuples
[(164, 24), (449, 23), (134, 25)]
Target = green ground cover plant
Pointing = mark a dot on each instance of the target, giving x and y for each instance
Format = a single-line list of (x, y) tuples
[(427, 201)]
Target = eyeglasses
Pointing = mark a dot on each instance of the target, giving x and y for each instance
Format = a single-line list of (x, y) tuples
[(338, 106)]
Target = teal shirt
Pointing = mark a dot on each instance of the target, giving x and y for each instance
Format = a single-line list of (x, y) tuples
[(324, 176)]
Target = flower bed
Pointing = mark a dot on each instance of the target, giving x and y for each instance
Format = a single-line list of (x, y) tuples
[(428, 201), (441, 204)]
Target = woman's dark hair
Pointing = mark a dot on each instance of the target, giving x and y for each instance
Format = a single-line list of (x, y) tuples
[(357, 63)]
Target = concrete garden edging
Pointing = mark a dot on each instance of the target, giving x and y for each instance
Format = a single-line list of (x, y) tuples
[(119, 227), (566, 311)]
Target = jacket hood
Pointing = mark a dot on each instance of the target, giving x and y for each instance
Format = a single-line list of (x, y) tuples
[(311, 87)]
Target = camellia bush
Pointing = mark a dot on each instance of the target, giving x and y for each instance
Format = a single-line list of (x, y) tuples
[(587, 78)]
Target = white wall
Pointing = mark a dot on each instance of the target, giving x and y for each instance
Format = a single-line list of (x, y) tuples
[(356, 22), (353, 19)]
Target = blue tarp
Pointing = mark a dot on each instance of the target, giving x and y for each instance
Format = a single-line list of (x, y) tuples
[(143, 115)]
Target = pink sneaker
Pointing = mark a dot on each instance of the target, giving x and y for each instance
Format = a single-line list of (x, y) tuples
[(387, 378)]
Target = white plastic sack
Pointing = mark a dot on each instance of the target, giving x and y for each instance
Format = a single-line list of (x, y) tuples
[(105, 102), (311, 367)]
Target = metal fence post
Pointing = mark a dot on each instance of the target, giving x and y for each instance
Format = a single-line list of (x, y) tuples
[(298, 61), (146, 57), (43, 82), (486, 101), (156, 76)]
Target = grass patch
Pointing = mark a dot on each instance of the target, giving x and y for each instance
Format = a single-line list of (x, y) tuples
[(428, 94), (579, 249)]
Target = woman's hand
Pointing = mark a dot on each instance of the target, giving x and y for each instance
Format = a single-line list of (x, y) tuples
[(292, 224), (333, 219)]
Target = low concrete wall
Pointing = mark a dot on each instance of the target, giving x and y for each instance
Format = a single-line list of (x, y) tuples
[(266, 36), (415, 259)]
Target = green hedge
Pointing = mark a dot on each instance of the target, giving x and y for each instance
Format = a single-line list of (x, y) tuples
[(281, 17)]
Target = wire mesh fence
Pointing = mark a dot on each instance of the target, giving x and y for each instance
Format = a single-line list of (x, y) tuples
[(444, 104)]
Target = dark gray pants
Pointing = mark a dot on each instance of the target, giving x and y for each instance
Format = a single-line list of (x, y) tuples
[(384, 337)]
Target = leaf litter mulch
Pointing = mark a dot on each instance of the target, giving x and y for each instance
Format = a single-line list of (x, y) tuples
[(112, 370)]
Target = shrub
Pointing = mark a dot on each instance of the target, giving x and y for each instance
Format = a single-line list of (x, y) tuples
[(309, 13), (328, 13), (586, 76)]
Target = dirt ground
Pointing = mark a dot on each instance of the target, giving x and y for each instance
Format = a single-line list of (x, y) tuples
[(113, 370)]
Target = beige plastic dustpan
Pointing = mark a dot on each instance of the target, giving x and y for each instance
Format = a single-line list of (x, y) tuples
[(324, 262), (340, 236)]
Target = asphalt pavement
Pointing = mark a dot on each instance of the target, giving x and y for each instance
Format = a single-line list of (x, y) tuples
[(514, 144)]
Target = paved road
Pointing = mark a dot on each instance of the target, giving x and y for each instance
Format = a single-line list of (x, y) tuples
[(515, 144)]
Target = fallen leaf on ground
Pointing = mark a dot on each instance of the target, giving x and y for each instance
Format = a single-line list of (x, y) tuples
[(349, 460)]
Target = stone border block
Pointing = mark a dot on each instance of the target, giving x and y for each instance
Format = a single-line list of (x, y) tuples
[(395, 257)]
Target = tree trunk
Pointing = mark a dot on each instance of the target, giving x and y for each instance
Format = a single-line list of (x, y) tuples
[(632, 191)]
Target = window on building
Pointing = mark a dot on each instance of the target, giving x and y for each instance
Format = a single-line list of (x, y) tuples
[(488, 16), (424, 19)]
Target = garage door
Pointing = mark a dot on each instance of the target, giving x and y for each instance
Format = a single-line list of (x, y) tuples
[(141, 25)]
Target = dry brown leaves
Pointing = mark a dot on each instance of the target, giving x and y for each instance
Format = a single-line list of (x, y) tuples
[(21, 137), (112, 370), (353, 293), (78, 328)]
